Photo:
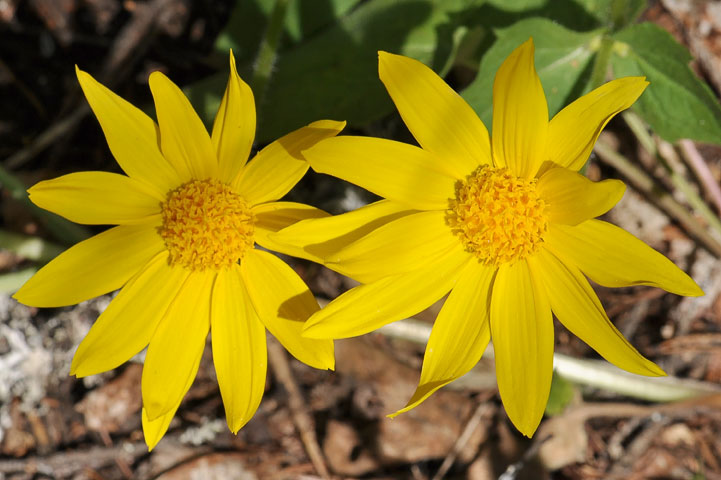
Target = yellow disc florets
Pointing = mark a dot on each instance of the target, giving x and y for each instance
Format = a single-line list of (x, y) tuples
[(206, 225), (497, 216)]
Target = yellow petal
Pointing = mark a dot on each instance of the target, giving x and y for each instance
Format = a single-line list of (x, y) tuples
[(612, 257), (522, 333), (460, 334), (128, 324), (275, 216), (93, 267), (575, 129), (98, 198), (283, 303), (183, 137), (396, 247), (239, 349), (368, 307), (154, 430), (320, 238), (520, 114), (394, 170), (578, 308), (440, 120), (175, 350), (572, 198), (131, 135), (279, 166), (234, 126)]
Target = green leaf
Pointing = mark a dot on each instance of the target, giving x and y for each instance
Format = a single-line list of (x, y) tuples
[(335, 74), (249, 20), (615, 13), (496, 14), (563, 61), (677, 104), (12, 281), (64, 230), (32, 248), (562, 393)]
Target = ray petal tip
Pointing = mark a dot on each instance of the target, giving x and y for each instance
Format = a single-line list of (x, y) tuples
[(312, 330)]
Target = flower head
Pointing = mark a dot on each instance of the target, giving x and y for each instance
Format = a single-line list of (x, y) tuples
[(504, 223), (189, 213)]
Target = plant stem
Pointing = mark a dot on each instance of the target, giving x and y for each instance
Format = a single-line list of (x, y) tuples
[(593, 373), (600, 63), (677, 179), (268, 50), (692, 156), (645, 184)]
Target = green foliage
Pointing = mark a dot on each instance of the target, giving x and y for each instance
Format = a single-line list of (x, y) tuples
[(249, 20), (335, 74), (333, 71), (562, 61), (327, 61), (677, 104), (562, 393)]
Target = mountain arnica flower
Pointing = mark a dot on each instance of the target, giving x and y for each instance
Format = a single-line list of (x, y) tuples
[(189, 213), (505, 223)]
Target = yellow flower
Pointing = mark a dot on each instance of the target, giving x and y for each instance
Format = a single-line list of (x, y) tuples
[(503, 223), (189, 213)]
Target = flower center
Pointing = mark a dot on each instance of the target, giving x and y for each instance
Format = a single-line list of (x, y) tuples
[(497, 216), (206, 225)]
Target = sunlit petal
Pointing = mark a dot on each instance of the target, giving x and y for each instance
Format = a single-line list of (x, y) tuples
[(274, 216), (239, 348), (575, 129), (520, 114), (283, 303), (572, 198), (578, 308), (460, 334), (234, 126), (441, 121), (98, 198), (183, 138), (154, 430), (522, 333), (279, 166), (320, 238), (396, 247), (368, 307), (175, 350), (131, 135), (129, 322), (612, 257), (93, 267), (394, 170)]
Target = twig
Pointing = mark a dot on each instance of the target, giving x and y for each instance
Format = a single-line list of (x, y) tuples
[(47, 138), (645, 184), (24, 89), (473, 423), (268, 50), (132, 38), (593, 373), (299, 411), (667, 157), (697, 163), (67, 464)]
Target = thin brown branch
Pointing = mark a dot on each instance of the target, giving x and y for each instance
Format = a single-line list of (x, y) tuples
[(300, 413)]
